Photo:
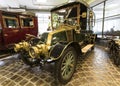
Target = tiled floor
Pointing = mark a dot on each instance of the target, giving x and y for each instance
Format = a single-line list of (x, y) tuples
[(96, 69)]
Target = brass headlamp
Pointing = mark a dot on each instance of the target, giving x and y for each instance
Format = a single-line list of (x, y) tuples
[(21, 45), (35, 51)]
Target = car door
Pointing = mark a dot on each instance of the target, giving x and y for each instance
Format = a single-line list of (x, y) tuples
[(10, 29)]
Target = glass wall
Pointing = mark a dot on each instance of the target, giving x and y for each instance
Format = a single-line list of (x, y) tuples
[(112, 18), (98, 10)]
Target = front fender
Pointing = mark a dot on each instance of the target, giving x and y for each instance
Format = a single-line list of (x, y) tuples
[(59, 48)]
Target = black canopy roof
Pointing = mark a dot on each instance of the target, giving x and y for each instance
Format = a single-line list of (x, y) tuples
[(70, 4)]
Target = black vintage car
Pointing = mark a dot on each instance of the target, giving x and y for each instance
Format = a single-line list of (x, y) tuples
[(71, 36)]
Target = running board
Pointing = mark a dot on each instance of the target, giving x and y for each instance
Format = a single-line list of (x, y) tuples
[(86, 48)]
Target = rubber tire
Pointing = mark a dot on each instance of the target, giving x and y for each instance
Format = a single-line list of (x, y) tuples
[(117, 61), (92, 48), (116, 58), (25, 58), (115, 54), (59, 63)]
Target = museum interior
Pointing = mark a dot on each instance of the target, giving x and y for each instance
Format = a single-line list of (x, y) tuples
[(59, 42)]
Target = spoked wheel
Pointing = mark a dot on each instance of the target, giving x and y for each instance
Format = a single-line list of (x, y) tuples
[(65, 67), (92, 48), (28, 60), (117, 61), (116, 57), (114, 51), (111, 47)]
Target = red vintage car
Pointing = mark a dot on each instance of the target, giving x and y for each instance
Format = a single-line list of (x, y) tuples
[(14, 27)]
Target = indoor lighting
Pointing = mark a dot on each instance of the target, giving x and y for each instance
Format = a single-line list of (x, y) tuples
[(16, 9), (42, 1), (71, 0)]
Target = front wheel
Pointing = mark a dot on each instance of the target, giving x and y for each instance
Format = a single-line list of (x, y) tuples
[(65, 66)]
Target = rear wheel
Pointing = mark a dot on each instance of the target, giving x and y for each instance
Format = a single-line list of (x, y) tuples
[(65, 67)]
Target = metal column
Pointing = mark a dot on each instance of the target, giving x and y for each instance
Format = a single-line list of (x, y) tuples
[(103, 21)]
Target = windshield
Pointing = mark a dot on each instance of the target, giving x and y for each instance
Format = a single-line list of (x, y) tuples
[(64, 16)]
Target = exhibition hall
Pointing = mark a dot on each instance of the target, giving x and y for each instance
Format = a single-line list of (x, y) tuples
[(59, 43)]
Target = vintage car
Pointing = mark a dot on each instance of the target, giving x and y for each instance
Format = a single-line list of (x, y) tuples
[(71, 36), (14, 26), (114, 49)]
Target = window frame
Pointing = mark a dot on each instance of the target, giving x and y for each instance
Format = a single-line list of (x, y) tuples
[(11, 18), (21, 22)]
